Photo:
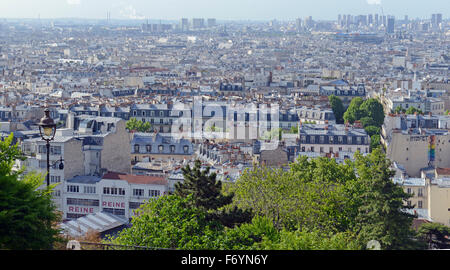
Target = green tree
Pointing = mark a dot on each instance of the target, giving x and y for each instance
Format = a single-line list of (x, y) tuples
[(367, 121), (381, 214), (353, 112), (28, 217), (311, 195), (170, 222), (338, 108), (374, 109), (375, 141), (207, 195), (249, 236), (312, 240), (294, 129), (137, 125), (435, 235), (372, 130), (413, 110), (399, 110)]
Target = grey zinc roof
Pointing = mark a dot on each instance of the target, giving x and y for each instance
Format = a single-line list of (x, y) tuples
[(84, 179), (99, 222)]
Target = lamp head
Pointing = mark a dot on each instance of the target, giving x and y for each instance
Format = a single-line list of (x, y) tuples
[(47, 126)]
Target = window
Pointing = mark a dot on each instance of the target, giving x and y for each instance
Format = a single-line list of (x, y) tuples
[(42, 149), (88, 189), (121, 191), (114, 211), (138, 192), (83, 202), (186, 149), (172, 149), (71, 188), (420, 204), (55, 179), (114, 191), (55, 150), (408, 190), (322, 139), (106, 190), (420, 192), (148, 148), (153, 193), (135, 205), (136, 148), (56, 193), (161, 148)]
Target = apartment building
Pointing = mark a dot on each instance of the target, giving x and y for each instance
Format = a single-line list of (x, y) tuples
[(417, 142), (336, 140), (156, 146), (113, 193)]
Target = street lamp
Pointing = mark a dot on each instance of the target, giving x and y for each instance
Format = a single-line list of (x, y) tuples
[(47, 129)]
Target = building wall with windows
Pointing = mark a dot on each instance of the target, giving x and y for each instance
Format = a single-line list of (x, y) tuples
[(418, 189), (114, 193), (414, 150), (115, 153), (326, 139), (157, 146), (438, 192)]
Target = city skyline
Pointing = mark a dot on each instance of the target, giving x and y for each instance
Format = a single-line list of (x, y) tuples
[(222, 10)]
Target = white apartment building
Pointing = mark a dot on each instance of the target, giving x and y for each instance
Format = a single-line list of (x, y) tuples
[(114, 193)]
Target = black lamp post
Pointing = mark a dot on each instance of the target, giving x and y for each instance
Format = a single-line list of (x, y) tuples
[(47, 129)]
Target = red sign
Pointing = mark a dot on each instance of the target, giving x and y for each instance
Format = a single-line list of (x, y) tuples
[(78, 209), (113, 204)]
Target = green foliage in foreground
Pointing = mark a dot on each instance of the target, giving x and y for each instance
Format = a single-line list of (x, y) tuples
[(317, 204), (137, 125), (28, 217)]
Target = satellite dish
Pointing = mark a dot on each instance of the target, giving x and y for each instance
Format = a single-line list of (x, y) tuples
[(73, 245), (373, 245)]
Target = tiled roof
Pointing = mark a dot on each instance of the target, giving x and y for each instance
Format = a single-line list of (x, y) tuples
[(443, 171), (135, 179)]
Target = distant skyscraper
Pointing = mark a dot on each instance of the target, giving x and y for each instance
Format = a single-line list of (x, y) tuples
[(390, 25), (377, 22), (198, 23), (298, 23), (439, 18), (436, 20), (370, 19), (184, 24), (309, 23), (211, 22)]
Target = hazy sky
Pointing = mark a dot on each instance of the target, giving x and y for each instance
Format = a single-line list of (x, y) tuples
[(219, 9)]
